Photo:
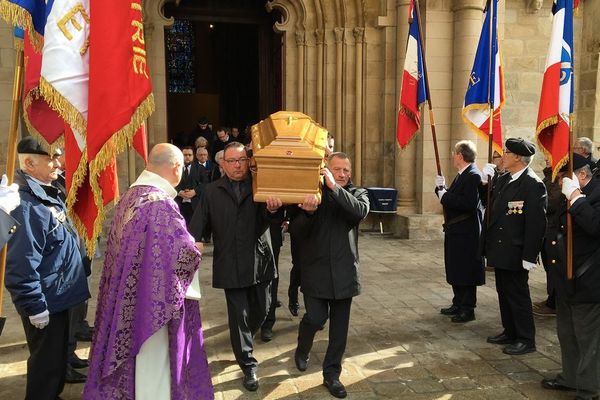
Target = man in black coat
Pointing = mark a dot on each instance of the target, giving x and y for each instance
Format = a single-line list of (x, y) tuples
[(578, 300), (513, 240), (243, 262), (462, 232), (327, 236), (190, 187)]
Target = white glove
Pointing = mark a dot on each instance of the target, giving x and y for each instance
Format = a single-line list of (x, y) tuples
[(40, 320), (441, 193), (440, 181), (488, 170), (529, 266), (569, 186), (9, 195)]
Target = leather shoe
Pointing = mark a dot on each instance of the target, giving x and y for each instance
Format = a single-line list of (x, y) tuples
[(336, 388), (452, 310), (552, 384), (517, 348), (85, 335), (502, 338), (78, 363), (278, 304), (294, 308), (250, 381), (301, 361), (463, 316), (266, 334), (73, 376)]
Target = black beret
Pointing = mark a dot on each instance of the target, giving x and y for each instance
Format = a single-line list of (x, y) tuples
[(29, 145), (520, 146), (580, 161)]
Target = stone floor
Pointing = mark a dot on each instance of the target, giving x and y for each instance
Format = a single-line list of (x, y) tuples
[(399, 346)]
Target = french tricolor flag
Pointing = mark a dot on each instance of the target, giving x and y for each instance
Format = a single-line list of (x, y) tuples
[(486, 82), (556, 102), (413, 92)]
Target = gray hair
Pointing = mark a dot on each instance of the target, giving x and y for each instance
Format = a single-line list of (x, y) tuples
[(467, 150), (587, 169), (526, 159), (586, 144)]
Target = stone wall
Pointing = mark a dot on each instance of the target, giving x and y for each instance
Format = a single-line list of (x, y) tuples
[(7, 67)]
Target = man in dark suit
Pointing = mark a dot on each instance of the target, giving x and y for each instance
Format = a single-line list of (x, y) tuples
[(204, 164), (190, 186), (578, 300), (462, 230), (513, 240)]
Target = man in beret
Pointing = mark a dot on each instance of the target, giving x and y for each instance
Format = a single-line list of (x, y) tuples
[(44, 270), (578, 300), (514, 231)]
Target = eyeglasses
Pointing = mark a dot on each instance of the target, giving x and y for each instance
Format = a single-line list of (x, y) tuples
[(234, 161)]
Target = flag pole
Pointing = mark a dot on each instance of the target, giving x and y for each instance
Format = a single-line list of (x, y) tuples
[(569, 219), (11, 155), (429, 105), (491, 108)]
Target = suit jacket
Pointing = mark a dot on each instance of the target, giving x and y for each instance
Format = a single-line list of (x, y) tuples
[(206, 171), (464, 218), (517, 221), (8, 226), (194, 180)]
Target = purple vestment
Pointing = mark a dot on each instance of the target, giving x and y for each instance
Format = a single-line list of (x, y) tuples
[(149, 263)]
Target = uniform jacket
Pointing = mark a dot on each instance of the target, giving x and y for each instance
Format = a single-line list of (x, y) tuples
[(44, 268), (328, 243), (585, 288), (243, 255), (464, 218), (8, 226), (194, 180), (517, 221)]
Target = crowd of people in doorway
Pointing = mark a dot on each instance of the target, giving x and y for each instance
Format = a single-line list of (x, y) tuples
[(147, 336)]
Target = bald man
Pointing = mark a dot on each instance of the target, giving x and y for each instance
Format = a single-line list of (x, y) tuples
[(148, 342)]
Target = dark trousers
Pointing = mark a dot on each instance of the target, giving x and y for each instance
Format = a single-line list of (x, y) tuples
[(317, 312), (270, 320), (47, 362), (246, 310), (77, 324), (515, 304), (578, 327), (186, 211), (294, 283), (465, 297), (551, 300)]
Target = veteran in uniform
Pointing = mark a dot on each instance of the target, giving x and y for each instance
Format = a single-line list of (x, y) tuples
[(513, 240), (578, 300), (44, 270)]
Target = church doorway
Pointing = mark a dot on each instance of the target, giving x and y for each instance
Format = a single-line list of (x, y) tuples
[(223, 61)]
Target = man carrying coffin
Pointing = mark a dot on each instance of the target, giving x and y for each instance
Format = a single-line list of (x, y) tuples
[(148, 342)]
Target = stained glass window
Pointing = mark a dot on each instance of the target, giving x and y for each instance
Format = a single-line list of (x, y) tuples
[(179, 42)]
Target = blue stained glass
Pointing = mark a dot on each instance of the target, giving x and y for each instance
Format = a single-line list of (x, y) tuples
[(179, 43)]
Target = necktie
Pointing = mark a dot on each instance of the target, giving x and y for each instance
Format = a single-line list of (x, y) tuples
[(237, 188)]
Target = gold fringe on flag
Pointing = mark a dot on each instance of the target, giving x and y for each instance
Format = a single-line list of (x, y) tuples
[(475, 128), (60, 104), (34, 94), (16, 15)]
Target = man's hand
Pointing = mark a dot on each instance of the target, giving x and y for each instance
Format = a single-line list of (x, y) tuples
[(191, 193), (440, 181), (200, 246), (40, 320), (440, 193), (529, 266), (9, 195), (273, 204), (310, 204), (488, 170), (570, 187), (328, 178)]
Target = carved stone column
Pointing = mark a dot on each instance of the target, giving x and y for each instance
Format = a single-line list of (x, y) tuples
[(359, 39), (405, 171), (339, 77), (320, 68), (301, 45), (467, 27)]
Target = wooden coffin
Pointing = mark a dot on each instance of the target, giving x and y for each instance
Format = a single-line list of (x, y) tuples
[(288, 149)]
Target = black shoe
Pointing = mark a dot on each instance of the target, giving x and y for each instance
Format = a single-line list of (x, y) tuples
[(294, 308), (250, 381), (583, 398), (452, 310), (518, 348), (336, 388), (278, 304), (552, 384), (463, 316), (301, 361), (73, 376), (85, 335), (266, 334), (500, 339), (78, 363)]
